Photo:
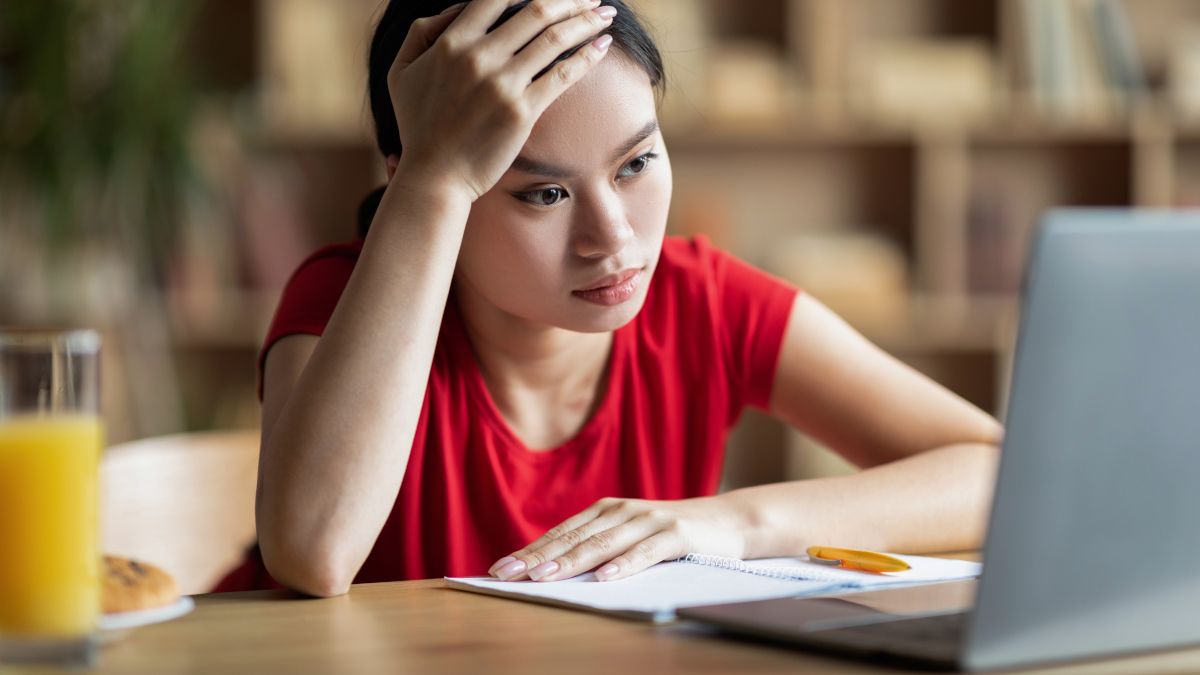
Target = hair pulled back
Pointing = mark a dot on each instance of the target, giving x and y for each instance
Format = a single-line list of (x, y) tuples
[(628, 33)]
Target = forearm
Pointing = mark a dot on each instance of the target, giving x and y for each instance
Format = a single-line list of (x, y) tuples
[(933, 501), (334, 458)]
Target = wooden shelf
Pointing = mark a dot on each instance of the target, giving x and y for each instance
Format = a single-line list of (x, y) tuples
[(957, 200), (778, 137), (936, 324), (797, 135)]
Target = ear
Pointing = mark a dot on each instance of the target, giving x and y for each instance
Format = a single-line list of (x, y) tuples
[(392, 162)]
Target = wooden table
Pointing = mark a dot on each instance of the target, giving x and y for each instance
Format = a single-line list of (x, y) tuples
[(423, 627)]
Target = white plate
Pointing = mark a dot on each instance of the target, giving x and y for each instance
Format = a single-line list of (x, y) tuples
[(144, 617)]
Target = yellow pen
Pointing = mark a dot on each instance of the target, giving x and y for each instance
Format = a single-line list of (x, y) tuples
[(859, 560)]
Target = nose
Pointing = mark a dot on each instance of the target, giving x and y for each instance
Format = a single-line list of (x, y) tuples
[(601, 228)]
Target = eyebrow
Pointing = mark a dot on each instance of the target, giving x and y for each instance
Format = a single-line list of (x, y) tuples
[(533, 166)]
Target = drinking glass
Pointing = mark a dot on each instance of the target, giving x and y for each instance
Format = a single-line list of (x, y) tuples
[(50, 441)]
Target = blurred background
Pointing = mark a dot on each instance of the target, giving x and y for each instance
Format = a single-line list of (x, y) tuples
[(164, 166)]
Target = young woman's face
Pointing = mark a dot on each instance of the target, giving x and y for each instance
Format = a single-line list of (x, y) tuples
[(583, 206)]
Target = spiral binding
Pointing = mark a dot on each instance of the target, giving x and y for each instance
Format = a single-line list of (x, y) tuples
[(792, 573)]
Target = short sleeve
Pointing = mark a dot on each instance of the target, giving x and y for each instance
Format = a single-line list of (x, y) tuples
[(309, 297), (753, 311)]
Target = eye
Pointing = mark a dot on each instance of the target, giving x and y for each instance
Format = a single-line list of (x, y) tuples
[(638, 164), (543, 197)]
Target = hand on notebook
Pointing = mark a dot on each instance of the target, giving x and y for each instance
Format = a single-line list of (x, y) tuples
[(619, 537)]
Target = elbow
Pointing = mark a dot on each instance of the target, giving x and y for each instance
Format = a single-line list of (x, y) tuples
[(994, 433), (321, 583), (315, 571), (297, 557)]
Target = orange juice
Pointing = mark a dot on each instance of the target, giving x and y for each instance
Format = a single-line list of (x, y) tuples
[(49, 558)]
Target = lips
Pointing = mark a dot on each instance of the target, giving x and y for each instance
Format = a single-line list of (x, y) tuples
[(611, 280), (612, 290)]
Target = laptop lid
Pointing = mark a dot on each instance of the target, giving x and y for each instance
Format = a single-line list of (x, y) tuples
[(1094, 540)]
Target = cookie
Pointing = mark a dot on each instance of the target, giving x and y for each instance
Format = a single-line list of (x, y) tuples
[(129, 585)]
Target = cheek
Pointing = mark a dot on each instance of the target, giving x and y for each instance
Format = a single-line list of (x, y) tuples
[(503, 249), (649, 203)]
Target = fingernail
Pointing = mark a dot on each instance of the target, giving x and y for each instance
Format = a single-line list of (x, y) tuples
[(451, 8), (601, 43), (545, 569), (605, 11), (500, 563), (609, 570), (511, 570)]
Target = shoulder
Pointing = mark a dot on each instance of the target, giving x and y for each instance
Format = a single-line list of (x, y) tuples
[(342, 255), (693, 268), (310, 296), (313, 290), (695, 259), (686, 255), (345, 249), (322, 274), (686, 267), (684, 290), (733, 314)]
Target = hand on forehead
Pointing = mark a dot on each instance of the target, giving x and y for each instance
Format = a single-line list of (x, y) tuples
[(594, 124)]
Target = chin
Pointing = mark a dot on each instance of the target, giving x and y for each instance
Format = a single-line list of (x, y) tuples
[(587, 318)]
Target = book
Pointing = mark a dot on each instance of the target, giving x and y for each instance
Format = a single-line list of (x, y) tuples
[(1049, 53), (654, 594), (1119, 55), (925, 82), (1082, 61), (1183, 81)]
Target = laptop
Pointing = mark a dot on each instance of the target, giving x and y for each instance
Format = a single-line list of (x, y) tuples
[(1093, 544)]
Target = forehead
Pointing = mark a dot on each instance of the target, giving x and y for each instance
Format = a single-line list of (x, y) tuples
[(612, 102)]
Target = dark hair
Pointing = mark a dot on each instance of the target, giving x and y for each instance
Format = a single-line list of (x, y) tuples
[(628, 33)]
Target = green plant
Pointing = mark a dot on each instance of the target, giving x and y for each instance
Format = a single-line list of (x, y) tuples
[(95, 101)]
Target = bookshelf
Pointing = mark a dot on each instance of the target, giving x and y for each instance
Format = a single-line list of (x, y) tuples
[(851, 146), (911, 143)]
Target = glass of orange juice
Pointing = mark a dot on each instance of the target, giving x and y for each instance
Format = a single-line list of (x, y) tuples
[(50, 441)]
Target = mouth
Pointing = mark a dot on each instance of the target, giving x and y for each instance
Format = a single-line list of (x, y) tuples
[(611, 280), (613, 289)]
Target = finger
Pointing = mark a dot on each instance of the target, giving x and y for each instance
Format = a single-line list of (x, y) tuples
[(567, 525), (531, 21), (599, 548), (598, 517), (660, 547), (545, 89), (424, 32), (562, 37), (479, 15), (596, 532)]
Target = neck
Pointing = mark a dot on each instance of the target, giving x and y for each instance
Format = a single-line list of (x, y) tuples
[(522, 360)]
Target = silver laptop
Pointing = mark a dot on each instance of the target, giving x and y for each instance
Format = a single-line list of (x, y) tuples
[(1093, 547)]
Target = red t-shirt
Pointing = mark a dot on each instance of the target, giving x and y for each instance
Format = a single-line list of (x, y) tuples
[(704, 345)]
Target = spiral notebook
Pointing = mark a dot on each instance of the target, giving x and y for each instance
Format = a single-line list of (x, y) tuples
[(656, 593)]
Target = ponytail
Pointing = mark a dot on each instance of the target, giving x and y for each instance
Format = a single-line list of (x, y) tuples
[(367, 209)]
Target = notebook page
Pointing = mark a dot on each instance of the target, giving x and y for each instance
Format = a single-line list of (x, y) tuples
[(658, 591), (654, 593)]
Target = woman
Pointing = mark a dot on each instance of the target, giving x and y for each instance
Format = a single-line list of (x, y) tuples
[(516, 350)]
